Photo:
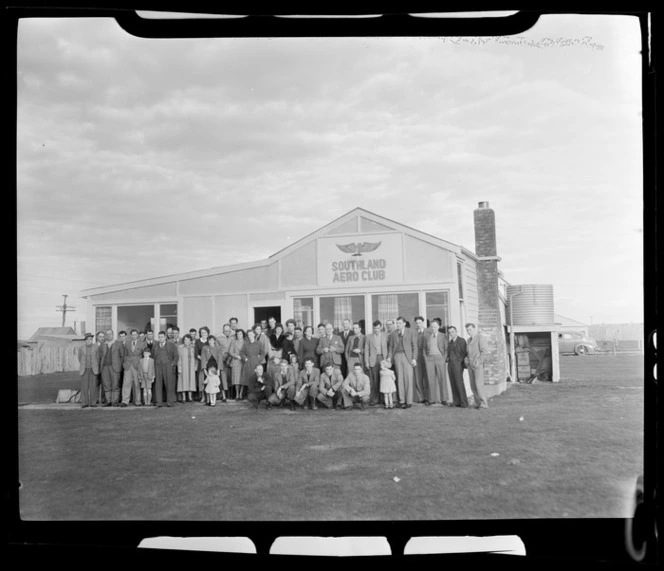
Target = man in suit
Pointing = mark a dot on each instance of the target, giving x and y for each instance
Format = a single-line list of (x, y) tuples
[(307, 385), (224, 341), (265, 341), (329, 389), (297, 337), (354, 350), (435, 356), (356, 388), (420, 393), (149, 340), (165, 355), (345, 334), (261, 386), (457, 352), (111, 357), (478, 350), (88, 358), (375, 351), (330, 348), (133, 353), (285, 383), (402, 351)]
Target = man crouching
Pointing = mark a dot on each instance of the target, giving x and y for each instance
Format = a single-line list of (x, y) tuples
[(356, 388), (260, 388)]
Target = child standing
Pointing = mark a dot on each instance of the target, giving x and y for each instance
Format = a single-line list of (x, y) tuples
[(212, 382), (146, 370), (387, 383)]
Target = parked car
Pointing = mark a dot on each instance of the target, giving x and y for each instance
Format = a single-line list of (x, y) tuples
[(577, 343)]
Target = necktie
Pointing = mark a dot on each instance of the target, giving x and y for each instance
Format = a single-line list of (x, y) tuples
[(133, 345)]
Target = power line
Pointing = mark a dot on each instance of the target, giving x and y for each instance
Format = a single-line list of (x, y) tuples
[(64, 308)]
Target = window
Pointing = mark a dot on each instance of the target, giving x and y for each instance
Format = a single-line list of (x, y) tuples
[(393, 305), (303, 311), (460, 277), (438, 306), (103, 318), (335, 309), (168, 316), (138, 317)]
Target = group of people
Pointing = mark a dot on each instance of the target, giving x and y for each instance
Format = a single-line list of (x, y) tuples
[(394, 365)]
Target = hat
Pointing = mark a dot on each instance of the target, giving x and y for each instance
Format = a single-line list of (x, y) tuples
[(89, 336)]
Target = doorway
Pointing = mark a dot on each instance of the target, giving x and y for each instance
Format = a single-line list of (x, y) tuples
[(264, 313)]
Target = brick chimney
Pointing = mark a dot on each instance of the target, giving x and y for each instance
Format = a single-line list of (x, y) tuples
[(490, 322)]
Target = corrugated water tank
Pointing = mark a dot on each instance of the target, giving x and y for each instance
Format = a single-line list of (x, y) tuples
[(532, 304)]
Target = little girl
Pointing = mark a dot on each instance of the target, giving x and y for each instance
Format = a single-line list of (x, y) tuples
[(212, 382), (146, 370), (387, 384)]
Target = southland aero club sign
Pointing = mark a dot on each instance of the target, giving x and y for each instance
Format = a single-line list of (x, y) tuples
[(360, 259)]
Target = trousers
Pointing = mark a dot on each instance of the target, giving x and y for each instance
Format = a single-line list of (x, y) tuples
[(476, 375), (164, 382), (88, 388), (131, 381), (110, 381), (404, 371), (459, 396)]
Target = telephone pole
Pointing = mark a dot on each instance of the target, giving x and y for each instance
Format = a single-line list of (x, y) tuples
[(64, 308)]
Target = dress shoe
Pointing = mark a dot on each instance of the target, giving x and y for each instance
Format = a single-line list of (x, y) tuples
[(348, 408), (123, 404), (169, 404), (268, 406), (408, 406), (86, 406), (426, 402)]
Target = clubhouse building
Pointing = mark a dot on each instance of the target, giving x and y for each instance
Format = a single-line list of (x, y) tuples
[(360, 266)]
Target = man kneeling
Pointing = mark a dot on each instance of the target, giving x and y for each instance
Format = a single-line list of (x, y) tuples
[(329, 393), (260, 388), (356, 388)]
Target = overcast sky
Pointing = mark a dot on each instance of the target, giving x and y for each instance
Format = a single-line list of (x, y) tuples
[(141, 158)]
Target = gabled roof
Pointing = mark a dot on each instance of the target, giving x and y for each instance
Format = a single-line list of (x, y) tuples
[(390, 225), (52, 331)]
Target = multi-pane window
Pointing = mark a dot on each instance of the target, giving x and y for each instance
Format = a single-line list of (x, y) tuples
[(303, 311), (168, 316), (438, 305), (386, 306), (103, 318), (335, 309)]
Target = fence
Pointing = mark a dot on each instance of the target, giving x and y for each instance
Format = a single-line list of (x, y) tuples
[(620, 346), (47, 358)]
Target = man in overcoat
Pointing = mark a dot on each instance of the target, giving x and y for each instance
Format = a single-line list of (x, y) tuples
[(402, 352), (88, 358), (375, 351), (457, 351), (478, 350), (165, 355), (111, 357)]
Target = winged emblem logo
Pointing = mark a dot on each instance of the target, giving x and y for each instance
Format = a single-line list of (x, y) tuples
[(357, 248)]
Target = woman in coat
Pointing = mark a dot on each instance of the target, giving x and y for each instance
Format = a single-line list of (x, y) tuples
[(277, 340), (307, 348), (253, 353), (237, 362), (187, 365), (211, 356)]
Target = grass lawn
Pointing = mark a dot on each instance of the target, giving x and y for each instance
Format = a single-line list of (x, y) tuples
[(576, 453)]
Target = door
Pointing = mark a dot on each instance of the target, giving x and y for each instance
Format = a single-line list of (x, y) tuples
[(264, 313)]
